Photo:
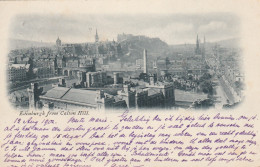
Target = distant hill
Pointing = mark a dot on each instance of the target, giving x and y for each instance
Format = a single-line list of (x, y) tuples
[(21, 44), (229, 43), (135, 45)]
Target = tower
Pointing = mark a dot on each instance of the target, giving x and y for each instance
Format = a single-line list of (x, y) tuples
[(197, 50), (127, 95), (100, 99), (152, 79), (58, 42), (96, 37), (145, 62), (116, 76), (34, 92), (96, 41), (103, 101), (197, 42)]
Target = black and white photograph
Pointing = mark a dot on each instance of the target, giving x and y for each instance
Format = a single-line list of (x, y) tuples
[(130, 83), (126, 62)]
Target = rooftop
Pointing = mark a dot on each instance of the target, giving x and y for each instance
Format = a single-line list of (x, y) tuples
[(20, 65), (81, 96), (71, 94), (152, 91), (56, 92)]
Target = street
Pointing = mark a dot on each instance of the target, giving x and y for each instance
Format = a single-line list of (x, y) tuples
[(223, 94), (221, 97)]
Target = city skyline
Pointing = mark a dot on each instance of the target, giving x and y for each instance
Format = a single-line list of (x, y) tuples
[(172, 29), (134, 72)]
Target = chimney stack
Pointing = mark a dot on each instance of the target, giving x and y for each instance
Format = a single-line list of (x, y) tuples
[(145, 62), (116, 76)]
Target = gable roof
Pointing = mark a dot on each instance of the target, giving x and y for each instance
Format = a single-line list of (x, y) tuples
[(81, 96), (56, 92), (72, 95)]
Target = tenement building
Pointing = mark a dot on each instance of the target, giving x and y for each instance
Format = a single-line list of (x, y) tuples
[(150, 95), (17, 72)]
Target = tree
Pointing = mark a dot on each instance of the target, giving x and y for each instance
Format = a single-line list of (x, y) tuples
[(190, 77), (239, 85), (143, 76), (202, 104), (207, 87), (205, 76)]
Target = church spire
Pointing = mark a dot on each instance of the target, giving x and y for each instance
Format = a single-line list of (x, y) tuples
[(96, 36), (197, 42), (197, 49)]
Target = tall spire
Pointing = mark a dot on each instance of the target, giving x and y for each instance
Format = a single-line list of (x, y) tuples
[(197, 49), (96, 36), (197, 42)]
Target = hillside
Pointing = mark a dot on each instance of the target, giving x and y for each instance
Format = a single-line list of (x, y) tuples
[(134, 46), (21, 44), (229, 43)]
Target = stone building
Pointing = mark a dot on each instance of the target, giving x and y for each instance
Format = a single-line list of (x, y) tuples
[(17, 72), (71, 98), (151, 95), (96, 79)]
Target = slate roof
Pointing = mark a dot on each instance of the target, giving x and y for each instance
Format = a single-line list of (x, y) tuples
[(56, 92), (73, 95), (81, 96)]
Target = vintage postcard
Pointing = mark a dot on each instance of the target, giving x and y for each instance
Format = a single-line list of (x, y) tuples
[(129, 83)]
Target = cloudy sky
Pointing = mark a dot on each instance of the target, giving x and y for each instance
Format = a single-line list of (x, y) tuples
[(173, 29)]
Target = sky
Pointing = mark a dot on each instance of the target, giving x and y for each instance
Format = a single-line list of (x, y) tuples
[(171, 28)]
